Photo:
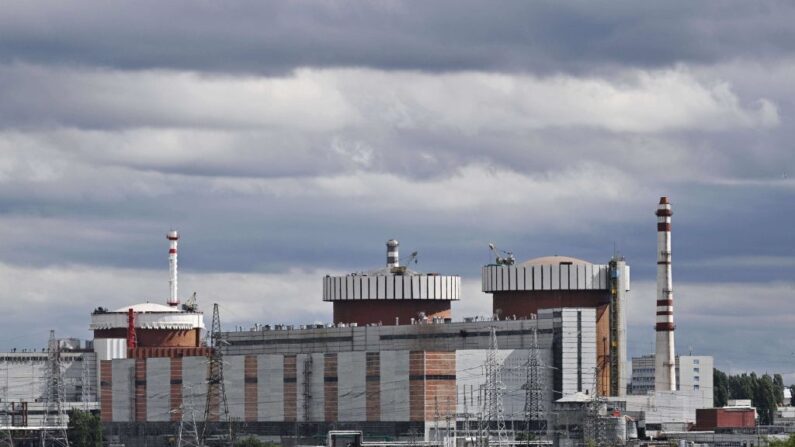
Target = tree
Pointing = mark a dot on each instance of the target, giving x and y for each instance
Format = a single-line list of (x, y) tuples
[(792, 393), (720, 383), (84, 429), (778, 381), (785, 443)]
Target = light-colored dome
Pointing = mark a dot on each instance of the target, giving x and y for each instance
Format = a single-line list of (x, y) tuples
[(148, 307), (554, 260)]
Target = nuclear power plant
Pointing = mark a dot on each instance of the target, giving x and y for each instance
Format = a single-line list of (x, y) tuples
[(394, 362)]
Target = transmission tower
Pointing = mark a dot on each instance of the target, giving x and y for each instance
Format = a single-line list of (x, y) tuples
[(216, 408), (493, 410), (594, 429), (85, 385), (53, 432), (187, 432), (535, 420)]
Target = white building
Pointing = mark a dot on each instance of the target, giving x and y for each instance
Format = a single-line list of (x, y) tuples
[(23, 383), (693, 373)]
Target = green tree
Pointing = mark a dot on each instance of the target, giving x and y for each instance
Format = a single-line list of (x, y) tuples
[(778, 381), (785, 443), (720, 390), (84, 429), (792, 392)]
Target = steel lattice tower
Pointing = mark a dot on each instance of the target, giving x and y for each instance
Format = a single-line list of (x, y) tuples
[(53, 431), (493, 410), (187, 433), (216, 408), (534, 392)]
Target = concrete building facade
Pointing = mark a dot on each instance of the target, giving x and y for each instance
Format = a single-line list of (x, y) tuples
[(389, 381)]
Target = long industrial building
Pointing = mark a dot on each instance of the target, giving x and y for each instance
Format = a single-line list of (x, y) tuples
[(394, 362), (388, 380)]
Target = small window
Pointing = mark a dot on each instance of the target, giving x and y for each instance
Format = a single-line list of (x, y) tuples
[(695, 370), (696, 361), (695, 378), (695, 387)]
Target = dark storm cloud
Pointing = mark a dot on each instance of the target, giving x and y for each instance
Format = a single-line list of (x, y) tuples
[(275, 37)]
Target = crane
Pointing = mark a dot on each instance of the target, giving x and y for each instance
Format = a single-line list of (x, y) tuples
[(401, 269), (508, 259)]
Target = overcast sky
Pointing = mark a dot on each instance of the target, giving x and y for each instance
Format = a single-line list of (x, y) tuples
[(289, 140)]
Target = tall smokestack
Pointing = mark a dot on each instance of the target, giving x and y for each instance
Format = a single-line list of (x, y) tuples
[(172, 237), (392, 255), (664, 357)]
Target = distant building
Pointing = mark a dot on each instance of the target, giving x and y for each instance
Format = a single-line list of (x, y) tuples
[(23, 381), (710, 419), (693, 373)]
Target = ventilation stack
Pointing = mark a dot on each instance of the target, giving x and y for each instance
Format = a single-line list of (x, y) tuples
[(173, 238), (665, 356)]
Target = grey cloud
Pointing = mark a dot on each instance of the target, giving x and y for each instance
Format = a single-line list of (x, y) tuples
[(279, 36)]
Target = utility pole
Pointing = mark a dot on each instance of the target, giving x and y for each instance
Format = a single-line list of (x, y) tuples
[(216, 408), (493, 393), (53, 432)]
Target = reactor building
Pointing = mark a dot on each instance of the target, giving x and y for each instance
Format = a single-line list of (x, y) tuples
[(150, 329), (561, 282), (392, 295)]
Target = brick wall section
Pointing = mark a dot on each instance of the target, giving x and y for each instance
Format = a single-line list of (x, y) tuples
[(440, 391), (176, 389), (106, 390), (330, 388), (373, 388), (140, 390), (250, 388), (213, 396), (416, 386), (290, 389)]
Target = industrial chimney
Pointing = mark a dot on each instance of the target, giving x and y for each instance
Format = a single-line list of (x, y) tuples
[(172, 237), (665, 355), (392, 255)]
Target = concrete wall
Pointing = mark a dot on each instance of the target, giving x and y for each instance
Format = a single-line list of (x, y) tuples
[(235, 386), (158, 389), (270, 387), (351, 386), (394, 386), (123, 389), (578, 350), (194, 385)]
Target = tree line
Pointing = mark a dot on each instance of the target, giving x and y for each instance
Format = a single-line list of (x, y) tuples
[(765, 392)]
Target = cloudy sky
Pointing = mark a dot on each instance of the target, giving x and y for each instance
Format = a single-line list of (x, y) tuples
[(288, 140)]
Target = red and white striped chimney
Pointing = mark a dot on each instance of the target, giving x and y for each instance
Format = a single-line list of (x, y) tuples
[(665, 355), (173, 238)]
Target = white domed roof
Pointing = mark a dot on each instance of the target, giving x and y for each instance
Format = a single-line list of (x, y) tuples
[(554, 260), (148, 307)]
